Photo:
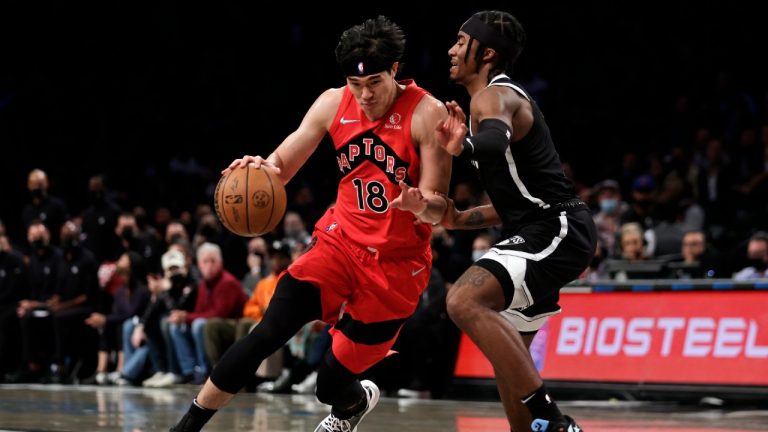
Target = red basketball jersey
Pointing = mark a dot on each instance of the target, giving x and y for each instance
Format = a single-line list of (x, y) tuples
[(372, 157)]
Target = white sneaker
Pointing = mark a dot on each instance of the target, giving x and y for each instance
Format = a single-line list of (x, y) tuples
[(149, 382), (335, 424), (168, 379), (101, 378), (112, 377), (307, 386)]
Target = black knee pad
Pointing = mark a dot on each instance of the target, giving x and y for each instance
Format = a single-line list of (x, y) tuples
[(336, 385)]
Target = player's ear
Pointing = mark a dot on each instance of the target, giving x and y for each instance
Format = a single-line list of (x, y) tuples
[(489, 54)]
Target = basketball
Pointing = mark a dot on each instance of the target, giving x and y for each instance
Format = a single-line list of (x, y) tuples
[(250, 201)]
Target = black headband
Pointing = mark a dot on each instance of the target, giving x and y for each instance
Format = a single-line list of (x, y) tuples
[(364, 66), (487, 35)]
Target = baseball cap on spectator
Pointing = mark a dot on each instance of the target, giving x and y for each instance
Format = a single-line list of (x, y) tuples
[(607, 184), (281, 248), (644, 183), (173, 258)]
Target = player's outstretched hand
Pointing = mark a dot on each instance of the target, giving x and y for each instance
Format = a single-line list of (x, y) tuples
[(451, 131), (410, 199), (451, 214), (254, 161)]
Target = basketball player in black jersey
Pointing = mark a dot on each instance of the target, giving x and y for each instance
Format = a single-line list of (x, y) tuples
[(549, 237)]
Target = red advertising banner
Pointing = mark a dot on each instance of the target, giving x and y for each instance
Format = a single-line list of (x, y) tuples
[(661, 337)]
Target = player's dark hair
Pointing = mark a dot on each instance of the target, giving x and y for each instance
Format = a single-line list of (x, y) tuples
[(371, 47), (502, 32)]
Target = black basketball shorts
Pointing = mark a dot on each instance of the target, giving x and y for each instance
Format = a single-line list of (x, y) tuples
[(537, 260)]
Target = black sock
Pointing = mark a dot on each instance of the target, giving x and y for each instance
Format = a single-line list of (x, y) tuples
[(541, 405), (195, 418)]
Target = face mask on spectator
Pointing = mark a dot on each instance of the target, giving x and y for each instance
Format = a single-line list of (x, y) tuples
[(478, 253), (758, 263), (68, 243), (209, 231), (38, 193), (178, 280), (127, 234), (39, 244), (609, 205)]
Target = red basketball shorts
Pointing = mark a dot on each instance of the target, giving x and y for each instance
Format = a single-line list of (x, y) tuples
[(365, 296)]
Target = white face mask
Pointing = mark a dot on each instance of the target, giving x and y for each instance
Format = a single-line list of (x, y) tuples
[(477, 254)]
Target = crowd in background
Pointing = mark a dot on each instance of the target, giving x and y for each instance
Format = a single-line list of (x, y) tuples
[(118, 271), (111, 295)]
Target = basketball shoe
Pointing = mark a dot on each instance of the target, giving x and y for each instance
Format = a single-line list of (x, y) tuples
[(567, 424), (335, 424)]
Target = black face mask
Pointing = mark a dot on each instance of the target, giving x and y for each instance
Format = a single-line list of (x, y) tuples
[(68, 243), (38, 193), (209, 231), (127, 234), (596, 260), (39, 244), (97, 197), (178, 280), (176, 237), (644, 204), (758, 263)]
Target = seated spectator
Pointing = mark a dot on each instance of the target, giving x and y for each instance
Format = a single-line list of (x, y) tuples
[(757, 254), (221, 333), (219, 295), (130, 300), (13, 287), (697, 258), (174, 290), (631, 242), (611, 208)]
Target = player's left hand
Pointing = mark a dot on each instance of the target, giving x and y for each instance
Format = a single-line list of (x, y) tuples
[(410, 199), (451, 131)]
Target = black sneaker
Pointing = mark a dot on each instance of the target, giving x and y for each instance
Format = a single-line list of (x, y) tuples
[(334, 424), (567, 424)]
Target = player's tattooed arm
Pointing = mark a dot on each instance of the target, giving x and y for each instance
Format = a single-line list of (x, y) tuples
[(476, 217)]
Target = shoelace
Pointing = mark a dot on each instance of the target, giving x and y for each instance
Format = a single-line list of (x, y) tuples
[(333, 424)]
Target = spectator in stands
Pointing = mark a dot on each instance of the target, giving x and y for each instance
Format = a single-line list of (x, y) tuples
[(219, 294), (642, 208), (13, 287), (220, 333), (631, 240), (698, 258), (611, 208), (258, 264), (130, 300), (142, 242), (49, 209), (480, 246), (70, 304), (46, 263), (294, 229), (757, 254), (174, 290), (175, 231), (99, 221)]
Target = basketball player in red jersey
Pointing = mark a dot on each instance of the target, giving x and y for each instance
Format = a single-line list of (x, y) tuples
[(369, 261)]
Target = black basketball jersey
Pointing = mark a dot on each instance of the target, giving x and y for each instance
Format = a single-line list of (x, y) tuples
[(530, 177)]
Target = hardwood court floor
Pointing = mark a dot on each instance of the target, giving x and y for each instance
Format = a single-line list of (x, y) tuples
[(89, 408)]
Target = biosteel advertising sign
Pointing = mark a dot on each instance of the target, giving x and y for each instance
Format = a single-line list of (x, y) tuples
[(669, 337)]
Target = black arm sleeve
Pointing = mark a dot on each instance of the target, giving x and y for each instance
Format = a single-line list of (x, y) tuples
[(490, 141)]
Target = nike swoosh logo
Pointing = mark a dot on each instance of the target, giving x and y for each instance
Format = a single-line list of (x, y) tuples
[(347, 121), (415, 272)]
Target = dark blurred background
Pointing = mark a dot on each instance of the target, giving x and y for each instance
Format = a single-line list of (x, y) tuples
[(160, 96)]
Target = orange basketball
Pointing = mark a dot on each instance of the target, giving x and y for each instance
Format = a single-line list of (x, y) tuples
[(250, 201)]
